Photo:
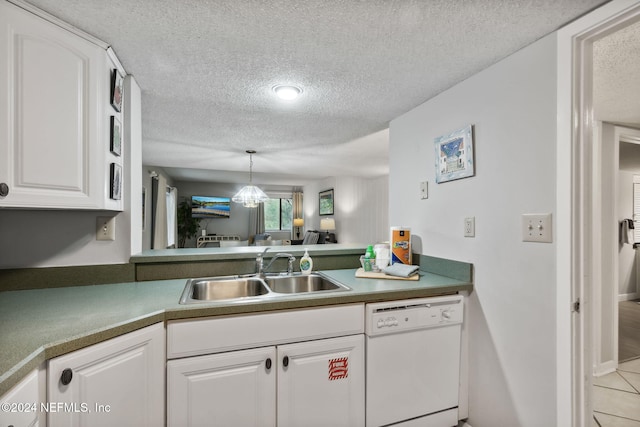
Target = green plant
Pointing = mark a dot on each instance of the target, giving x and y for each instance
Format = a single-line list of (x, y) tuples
[(187, 225)]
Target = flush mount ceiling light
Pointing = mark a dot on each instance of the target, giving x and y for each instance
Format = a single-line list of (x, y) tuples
[(287, 93), (250, 195)]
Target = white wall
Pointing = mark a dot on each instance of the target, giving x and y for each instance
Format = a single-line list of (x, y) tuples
[(133, 162), (512, 327), (627, 265), (310, 204), (361, 207), (604, 207)]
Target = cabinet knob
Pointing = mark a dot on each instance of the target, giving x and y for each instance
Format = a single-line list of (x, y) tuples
[(4, 189), (268, 363), (285, 361), (66, 376)]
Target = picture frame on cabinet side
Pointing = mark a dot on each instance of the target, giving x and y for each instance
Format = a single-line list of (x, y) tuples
[(117, 89), (116, 136)]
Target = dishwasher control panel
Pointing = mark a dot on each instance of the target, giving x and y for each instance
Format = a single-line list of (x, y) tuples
[(419, 313)]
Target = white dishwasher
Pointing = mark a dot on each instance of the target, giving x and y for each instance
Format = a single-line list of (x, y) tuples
[(413, 362)]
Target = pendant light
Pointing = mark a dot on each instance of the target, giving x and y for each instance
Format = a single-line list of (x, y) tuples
[(250, 195)]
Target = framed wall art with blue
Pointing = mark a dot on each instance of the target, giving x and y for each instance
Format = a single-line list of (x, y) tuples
[(454, 155)]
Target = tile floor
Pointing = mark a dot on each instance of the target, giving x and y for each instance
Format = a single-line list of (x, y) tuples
[(616, 397)]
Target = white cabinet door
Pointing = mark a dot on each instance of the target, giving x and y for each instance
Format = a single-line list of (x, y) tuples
[(21, 404), (321, 383), (51, 100), (227, 389), (119, 382)]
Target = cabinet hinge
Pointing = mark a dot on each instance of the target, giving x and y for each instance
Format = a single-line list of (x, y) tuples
[(576, 306)]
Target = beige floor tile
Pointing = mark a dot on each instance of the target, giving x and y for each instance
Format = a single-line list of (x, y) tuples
[(630, 366), (611, 421), (632, 378), (616, 402), (613, 380)]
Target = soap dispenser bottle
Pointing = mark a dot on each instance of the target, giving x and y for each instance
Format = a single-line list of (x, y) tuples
[(306, 263)]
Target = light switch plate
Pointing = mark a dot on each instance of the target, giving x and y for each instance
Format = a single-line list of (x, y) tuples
[(106, 228), (536, 228)]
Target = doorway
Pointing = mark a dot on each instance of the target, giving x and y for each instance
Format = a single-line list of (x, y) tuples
[(615, 392), (578, 190)]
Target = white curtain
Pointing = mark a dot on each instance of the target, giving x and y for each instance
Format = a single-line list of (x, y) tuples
[(297, 205), (160, 217), (172, 216), (256, 220)]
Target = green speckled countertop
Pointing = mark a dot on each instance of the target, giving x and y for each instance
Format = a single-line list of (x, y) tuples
[(37, 325)]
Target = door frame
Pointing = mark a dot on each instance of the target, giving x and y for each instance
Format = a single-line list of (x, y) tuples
[(576, 225)]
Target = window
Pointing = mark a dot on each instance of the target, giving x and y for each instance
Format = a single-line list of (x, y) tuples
[(278, 214)]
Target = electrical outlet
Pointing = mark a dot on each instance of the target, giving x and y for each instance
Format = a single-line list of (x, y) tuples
[(106, 228), (470, 226), (536, 228), (424, 190)]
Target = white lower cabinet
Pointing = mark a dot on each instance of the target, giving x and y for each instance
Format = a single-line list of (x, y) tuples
[(237, 388), (21, 406), (315, 383), (119, 382), (287, 369), (321, 383)]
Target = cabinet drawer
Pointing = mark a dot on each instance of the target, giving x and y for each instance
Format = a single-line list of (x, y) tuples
[(225, 333)]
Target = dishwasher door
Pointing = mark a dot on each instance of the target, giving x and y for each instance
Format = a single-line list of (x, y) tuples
[(413, 372)]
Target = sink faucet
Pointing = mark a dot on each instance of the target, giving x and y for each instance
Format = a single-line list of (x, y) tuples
[(259, 262), (292, 259)]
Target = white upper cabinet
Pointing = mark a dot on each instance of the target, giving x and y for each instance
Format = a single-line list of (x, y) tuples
[(55, 114)]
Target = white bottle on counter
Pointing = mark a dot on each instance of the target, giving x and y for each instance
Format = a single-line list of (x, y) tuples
[(306, 263), (383, 255)]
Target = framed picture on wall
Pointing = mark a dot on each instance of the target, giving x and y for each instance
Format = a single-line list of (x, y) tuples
[(117, 88), (326, 202), (116, 182), (454, 155), (116, 136)]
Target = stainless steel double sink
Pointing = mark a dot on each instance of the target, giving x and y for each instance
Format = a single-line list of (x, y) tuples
[(254, 287)]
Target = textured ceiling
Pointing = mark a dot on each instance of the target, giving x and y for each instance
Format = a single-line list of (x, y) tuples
[(616, 82), (206, 69)]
